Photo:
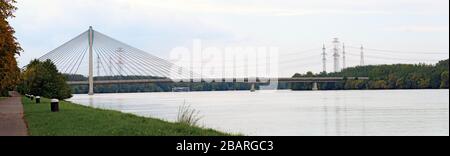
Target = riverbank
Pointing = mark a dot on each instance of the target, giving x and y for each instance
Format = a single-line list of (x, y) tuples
[(77, 120)]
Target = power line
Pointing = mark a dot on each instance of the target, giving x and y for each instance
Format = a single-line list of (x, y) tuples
[(400, 52), (389, 58)]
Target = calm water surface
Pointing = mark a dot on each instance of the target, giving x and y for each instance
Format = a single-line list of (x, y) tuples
[(280, 113)]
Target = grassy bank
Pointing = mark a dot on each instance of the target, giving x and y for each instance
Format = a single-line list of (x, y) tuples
[(77, 120)]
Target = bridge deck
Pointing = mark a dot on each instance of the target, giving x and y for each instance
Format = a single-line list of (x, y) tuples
[(246, 80)]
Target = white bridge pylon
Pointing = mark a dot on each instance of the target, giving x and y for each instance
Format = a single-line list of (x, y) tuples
[(94, 54)]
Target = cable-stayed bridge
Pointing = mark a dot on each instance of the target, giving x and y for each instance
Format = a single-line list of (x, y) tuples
[(96, 55), (93, 53)]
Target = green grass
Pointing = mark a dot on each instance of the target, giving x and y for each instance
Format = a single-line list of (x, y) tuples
[(77, 120)]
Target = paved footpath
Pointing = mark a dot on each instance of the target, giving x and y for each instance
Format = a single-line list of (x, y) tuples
[(11, 116)]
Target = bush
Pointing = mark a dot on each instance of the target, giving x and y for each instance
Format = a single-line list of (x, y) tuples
[(43, 79)]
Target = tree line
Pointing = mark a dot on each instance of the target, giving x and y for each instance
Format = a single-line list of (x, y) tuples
[(398, 76)]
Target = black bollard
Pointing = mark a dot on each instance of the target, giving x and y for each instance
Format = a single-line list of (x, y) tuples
[(32, 97), (55, 105), (38, 99)]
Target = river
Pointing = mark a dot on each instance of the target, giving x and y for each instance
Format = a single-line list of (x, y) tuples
[(298, 113)]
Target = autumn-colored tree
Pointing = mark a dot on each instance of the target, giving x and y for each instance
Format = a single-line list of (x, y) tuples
[(9, 47)]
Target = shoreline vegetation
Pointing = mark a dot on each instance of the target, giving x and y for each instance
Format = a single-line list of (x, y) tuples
[(396, 76), (77, 120)]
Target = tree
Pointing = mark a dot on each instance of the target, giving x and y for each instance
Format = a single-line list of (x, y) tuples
[(424, 83), (43, 79), (392, 81), (355, 84), (379, 84), (444, 80), (401, 84), (9, 72)]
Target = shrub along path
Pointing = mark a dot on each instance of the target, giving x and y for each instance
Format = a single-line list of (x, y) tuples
[(11, 116)]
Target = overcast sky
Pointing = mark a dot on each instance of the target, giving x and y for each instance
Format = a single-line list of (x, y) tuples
[(157, 26)]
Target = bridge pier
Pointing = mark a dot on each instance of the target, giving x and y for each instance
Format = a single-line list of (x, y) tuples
[(253, 89), (91, 62), (315, 86)]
